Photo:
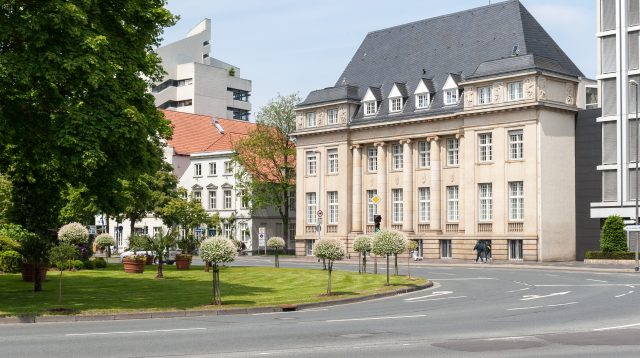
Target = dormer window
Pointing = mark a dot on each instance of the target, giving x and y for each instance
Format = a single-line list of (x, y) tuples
[(370, 108), (450, 96), (422, 100), (395, 104)]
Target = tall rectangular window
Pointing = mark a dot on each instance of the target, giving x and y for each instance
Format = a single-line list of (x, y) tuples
[(244, 199), (332, 162), (397, 205), (608, 15), (245, 234), (332, 116), (212, 199), (609, 185), (424, 204), (516, 145), (311, 119), (197, 196), (228, 167), (610, 141), (445, 249), (197, 170), (609, 97), (516, 200), (396, 104), (370, 108), (451, 96), (312, 164), (486, 202), (453, 145), (332, 201), (397, 156), (372, 159), (228, 203), (452, 204), (485, 147), (484, 95), (372, 208), (515, 91), (312, 206), (633, 50), (226, 230), (424, 154), (422, 100), (608, 52), (633, 12), (292, 200), (292, 232), (212, 168)]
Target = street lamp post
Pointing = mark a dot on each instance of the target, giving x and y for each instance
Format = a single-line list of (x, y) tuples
[(635, 84)]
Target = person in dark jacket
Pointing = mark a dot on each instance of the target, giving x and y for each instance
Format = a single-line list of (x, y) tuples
[(479, 249)]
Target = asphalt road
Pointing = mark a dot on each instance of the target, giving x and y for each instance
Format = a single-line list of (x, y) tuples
[(479, 311)]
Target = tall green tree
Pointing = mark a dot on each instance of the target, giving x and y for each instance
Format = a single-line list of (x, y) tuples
[(5, 197), (267, 159), (75, 109), (185, 213)]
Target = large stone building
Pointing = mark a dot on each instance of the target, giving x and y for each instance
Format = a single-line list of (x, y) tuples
[(462, 127), (198, 83)]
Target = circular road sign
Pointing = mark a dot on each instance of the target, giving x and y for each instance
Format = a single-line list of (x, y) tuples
[(320, 213)]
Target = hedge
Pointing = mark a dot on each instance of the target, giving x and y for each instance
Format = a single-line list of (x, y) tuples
[(615, 255)]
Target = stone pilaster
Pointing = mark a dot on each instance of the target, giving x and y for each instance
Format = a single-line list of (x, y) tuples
[(436, 184), (356, 190), (407, 185), (381, 186)]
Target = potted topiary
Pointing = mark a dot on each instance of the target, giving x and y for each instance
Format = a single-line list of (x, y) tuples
[(134, 263), (105, 241), (183, 261)]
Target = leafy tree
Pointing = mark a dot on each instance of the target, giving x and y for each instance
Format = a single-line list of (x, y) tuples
[(5, 197), (266, 158), (387, 243), (276, 243), (217, 250), (61, 255), (613, 237), (185, 213), (75, 108), (160, 243), (362, 244), (79, 205), (329, 249), (35, 251)]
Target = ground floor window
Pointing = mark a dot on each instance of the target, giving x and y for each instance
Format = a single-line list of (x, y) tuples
[(445, 249), (119, 236), (309, 247), (419, 248), (515, 250)]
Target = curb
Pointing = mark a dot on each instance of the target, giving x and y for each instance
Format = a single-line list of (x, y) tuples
[(204, 313)]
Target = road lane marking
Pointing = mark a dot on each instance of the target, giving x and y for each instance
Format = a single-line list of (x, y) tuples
[(590, 279), (464, 279), (617, 327), (632, 285), (134, 332), (534, 307), (442, 273), (522, 283), (436, 293), (522, 289), (508, 338), (373, 318), (535, 297), (624, 294), (438, 299)]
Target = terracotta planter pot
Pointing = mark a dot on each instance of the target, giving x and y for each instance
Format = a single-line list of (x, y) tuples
[(133, 266), (183, 264), (149, 260), (27, 273)]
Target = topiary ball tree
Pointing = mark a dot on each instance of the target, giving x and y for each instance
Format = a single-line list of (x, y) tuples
[(387, 243), (276, 243), (613, 238), (74, 233), (105, 241), (362, 244), (61, 255), (329, 249), (217, 250)]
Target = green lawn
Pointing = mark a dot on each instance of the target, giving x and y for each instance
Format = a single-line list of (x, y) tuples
[(110, 289)]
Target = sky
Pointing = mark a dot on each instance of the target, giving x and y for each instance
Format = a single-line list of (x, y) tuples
[(296, 46)]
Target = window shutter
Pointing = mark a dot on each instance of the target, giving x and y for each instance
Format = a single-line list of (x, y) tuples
[(609, 142), (609, 187), (608, 13), (608, 60), (634, 12), (633, 50), (609, 97)]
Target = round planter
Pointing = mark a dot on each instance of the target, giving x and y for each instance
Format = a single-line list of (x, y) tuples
[(27, 273), (133, 266), (183, 264), (149, 260)]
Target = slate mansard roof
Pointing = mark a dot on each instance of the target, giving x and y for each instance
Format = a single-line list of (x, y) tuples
[(497, 39)]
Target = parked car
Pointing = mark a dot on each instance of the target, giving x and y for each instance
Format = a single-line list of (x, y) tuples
[(171, 257)]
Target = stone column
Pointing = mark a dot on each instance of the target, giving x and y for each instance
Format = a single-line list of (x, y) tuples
[(462, 195), (436, 184), (407, 185), (381, 186), (356, 190)]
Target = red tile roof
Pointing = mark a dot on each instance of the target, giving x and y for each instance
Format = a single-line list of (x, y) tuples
[(193, 133)]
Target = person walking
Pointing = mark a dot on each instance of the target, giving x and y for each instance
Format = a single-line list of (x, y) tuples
[(487, 250), (479, 249)]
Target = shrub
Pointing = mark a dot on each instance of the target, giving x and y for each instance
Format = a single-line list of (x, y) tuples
[(329, 249), (362, 244), (89, 264), (136, 258), (10, 261), (99, 262), (105, 240), (613, 237), (74, 233), (388, 243), (183, 257), (619, 255), (77, 264), (7, 243)]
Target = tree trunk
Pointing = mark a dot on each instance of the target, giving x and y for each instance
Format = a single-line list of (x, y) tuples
[(387, 270), (132, 226), (364, 263), (409, 266), (60, 287), (37, 282), (284, 214), (277, 260), (395, 259), (160, 274), (375, 264), (329, 283), (359, 262), (217, 300), (206, 266)]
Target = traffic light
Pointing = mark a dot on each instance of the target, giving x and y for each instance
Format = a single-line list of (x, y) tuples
[(377, 220)]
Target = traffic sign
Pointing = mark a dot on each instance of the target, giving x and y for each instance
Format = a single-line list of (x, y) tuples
[(320, 213), (377, 199), (261, 239), (632, 228)]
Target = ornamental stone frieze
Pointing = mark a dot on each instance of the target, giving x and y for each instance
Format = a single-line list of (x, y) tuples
[(469, 95), (299, 121), (497, 90), (570, 93), (320, 118), (542, 90), (342, 114), (530, 88)]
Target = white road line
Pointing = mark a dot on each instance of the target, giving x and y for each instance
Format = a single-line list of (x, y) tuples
[(624, 294), (521, 283), (552, 275), (590, 279), (535, 297), (442, 273), (617, 327), (522, 289), (562, 304), (437, 299), (593, 285), (373, 318), (434, 294), (463, 279), (134, 332), (534, 307)]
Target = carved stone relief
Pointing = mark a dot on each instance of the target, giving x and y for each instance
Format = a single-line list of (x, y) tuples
[(570, 91), (542, 92), (469, 94), (320, 118), (498, 87), (424, 178), (342, 114), (397, 180), (530, 88), (299, 121)]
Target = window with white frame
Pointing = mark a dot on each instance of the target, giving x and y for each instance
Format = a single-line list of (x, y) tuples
[(453, 145), (212, 168), (244, 199), (312, 163), (484, 95), (396, 195), (451, 96), (312, 205), (212, 199), (332, 201), (445, 249), (226, 230), (424, 154), (311, 119), (485, 147), (516, 145), (292, 232), (516, 200), (486, 202), (197, 196), (228, 167), (245, 235), (424, 204), (422, 100), (370, 108), (395, 104), (397, 156), (197, 170), (332, 161), (372, 208), (372, 159), (227, 200), (515, 91), (292, 200), (452, 204), (332, 116)]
